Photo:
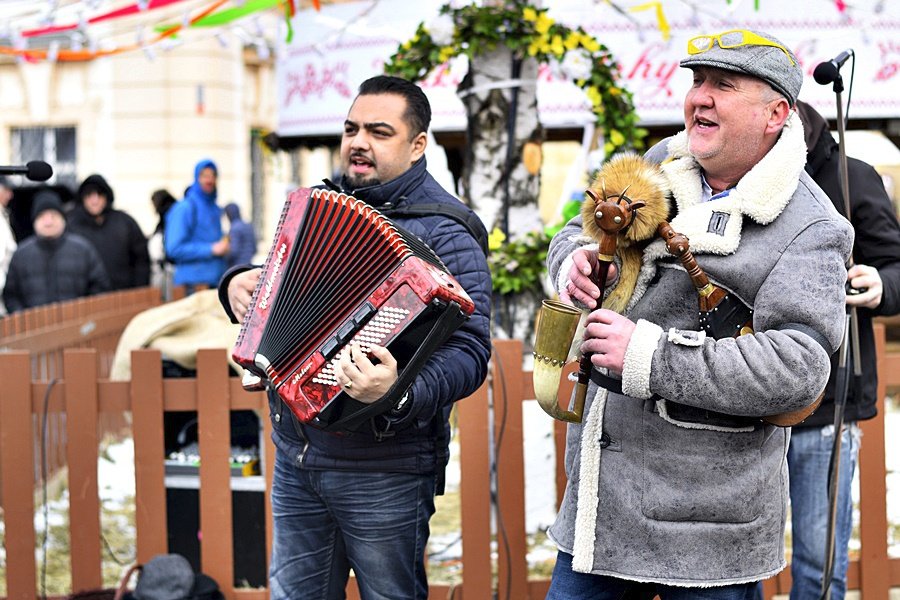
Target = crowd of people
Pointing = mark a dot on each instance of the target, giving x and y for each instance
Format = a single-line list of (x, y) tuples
[(678, 484), (91, 247)]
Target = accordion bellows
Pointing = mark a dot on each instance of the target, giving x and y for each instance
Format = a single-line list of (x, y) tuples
[(339, 272)]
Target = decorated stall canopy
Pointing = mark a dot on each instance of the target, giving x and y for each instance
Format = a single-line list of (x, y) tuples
[(336, 49), (81, 30)]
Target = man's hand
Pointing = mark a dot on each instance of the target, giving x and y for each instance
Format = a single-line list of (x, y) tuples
[(240, 291), (361, 378), (864, 276), (606, 337), (579, 286), (221, 247)]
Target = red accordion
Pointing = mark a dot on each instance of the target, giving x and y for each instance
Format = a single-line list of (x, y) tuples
[(339, 272)]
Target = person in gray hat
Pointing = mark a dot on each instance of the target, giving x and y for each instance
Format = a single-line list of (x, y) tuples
[(52, 265), (677, 480)]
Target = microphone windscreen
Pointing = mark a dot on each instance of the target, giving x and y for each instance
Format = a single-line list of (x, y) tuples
[(825, 73), (38, 170)]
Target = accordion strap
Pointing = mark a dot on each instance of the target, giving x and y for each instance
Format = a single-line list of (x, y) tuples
[(456, 212), (443, 327)]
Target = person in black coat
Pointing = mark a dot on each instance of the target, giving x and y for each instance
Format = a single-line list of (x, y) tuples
[(115, 234), (52, 265), (874, 280)]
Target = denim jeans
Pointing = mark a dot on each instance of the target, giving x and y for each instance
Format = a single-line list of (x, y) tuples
[(808, 458), (327, 522), (566, 584)]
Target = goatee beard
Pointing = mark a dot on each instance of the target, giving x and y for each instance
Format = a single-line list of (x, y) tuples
[(356, 182)]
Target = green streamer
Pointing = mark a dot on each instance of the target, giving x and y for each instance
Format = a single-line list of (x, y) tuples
[(223, 17)]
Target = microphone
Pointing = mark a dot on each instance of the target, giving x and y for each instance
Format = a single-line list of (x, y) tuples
[(826, 72), (35, 170)]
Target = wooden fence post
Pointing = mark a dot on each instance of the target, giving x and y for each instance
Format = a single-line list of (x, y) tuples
[(17, 456), (214, 433), (149, 454), (80, 371), (512, 568), (475, 494), (874, 567)]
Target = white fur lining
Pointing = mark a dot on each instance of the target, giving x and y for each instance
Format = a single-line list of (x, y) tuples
[(562, 276), (588, 486), (639, 359), (686, 338), (664, 413)]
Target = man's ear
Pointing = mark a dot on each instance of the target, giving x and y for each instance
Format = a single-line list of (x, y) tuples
[(781, 110), (418, 146)]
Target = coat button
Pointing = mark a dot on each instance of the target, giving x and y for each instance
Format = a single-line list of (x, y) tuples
[(604, 440), (278, 418)]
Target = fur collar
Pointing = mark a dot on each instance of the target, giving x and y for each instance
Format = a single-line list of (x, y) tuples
[(761, 195)]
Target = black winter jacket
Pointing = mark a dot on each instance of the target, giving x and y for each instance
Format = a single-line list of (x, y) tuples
[(457, 369), (877, 244), (52, 270), (120, 243)]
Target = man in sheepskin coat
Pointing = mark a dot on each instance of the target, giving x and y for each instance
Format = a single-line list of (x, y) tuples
[(676, 486)]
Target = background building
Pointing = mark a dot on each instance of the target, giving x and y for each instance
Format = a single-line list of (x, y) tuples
[(269, 111)]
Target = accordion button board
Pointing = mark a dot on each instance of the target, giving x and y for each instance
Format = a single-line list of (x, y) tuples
[(339, 272)]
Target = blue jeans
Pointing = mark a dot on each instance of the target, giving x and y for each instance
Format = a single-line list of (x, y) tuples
[(566, 584), (808, 458), (327, 522)]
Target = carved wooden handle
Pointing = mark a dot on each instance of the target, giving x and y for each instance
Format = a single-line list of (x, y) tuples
[(678, 245)]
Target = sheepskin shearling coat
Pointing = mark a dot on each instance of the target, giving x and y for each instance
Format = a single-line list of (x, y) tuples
[(670, 496)]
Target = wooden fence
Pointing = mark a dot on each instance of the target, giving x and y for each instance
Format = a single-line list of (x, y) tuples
[(91, 322), (47, 331), (82, 395)]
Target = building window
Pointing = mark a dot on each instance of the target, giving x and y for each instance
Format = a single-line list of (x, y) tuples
[(54, 145)]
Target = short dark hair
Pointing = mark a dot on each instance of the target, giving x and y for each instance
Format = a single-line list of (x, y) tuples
[(418, 111)]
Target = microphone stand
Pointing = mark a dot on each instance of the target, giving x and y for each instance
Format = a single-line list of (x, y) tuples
[(849, 350)]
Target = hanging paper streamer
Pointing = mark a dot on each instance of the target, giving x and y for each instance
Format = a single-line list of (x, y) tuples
[(660, 17), (82, 55), (224, 17), (288, 14), (115, 14)]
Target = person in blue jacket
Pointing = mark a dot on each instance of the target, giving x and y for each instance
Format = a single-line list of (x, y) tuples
[(241, 237), (363, 500), (194, 241)]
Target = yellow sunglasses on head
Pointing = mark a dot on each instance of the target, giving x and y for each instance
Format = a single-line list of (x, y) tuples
[(732, 39)]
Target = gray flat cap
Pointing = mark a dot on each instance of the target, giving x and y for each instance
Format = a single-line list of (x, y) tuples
[(768, 63)]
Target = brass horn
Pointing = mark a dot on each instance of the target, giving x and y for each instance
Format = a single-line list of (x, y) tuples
[(556, 326)]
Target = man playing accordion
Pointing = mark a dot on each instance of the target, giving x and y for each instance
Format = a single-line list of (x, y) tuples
[(363, 500)]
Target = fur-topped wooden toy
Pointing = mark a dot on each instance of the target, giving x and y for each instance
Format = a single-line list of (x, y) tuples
[(625, 204)]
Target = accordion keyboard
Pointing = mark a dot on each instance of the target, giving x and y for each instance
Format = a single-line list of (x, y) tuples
[(375, 333)]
